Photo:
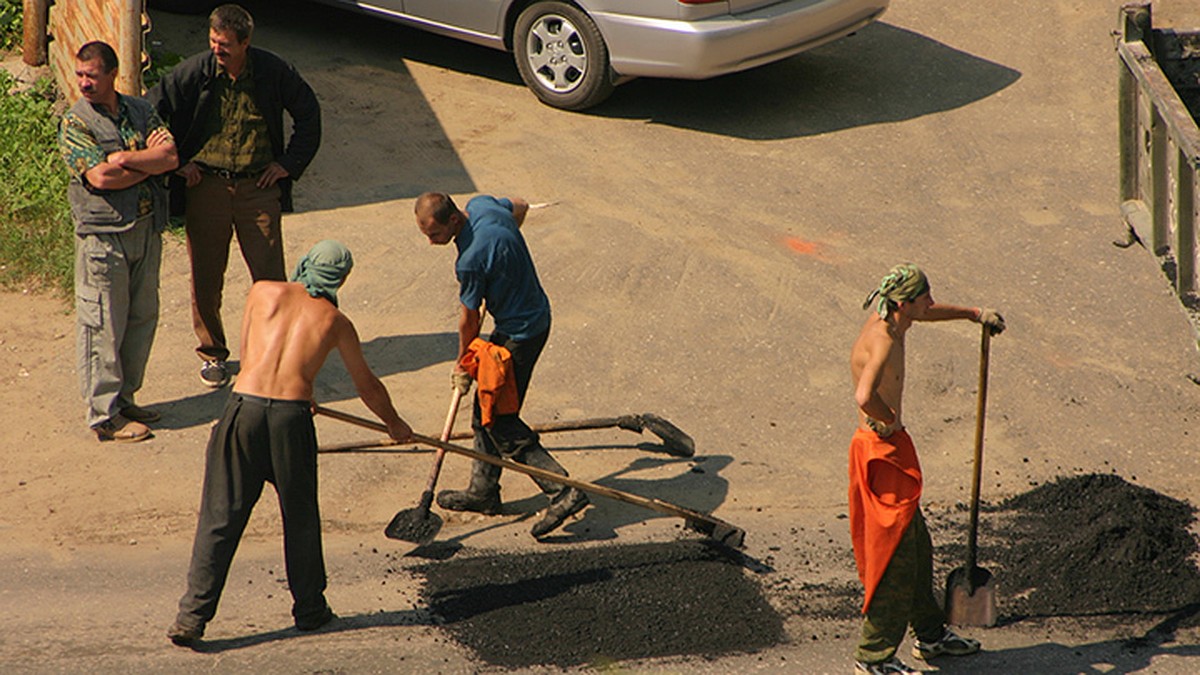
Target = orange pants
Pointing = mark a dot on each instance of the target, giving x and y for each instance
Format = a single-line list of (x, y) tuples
[(885, 490)]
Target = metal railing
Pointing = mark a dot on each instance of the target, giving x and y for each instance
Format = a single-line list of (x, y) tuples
[(1160, 152)]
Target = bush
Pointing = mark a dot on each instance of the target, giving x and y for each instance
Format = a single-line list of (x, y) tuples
[(36, 232), (12, 14)]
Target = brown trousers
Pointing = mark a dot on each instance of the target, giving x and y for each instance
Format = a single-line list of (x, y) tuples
[(216, 209)]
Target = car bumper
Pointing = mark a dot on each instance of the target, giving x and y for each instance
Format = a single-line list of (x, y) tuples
[(642, 47)]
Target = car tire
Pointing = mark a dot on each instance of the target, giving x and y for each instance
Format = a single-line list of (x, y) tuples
[(562, 56), (185, 6)]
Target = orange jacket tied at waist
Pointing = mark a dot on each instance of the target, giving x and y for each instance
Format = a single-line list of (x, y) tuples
[(885, 489), (490, 365)]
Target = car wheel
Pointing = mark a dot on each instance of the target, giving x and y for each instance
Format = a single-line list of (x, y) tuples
[(185, 6), (562, 56)]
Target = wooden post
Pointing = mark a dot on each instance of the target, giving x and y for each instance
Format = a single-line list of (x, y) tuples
[(36, 17), (1127, 117), (1159, 179), (1185, 226), (1136, 22), (129, 47)]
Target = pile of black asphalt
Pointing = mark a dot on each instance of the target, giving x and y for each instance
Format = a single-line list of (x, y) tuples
[(600, 605), (1093, 545)]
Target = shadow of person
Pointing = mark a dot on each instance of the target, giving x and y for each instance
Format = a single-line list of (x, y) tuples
[(340, 624), (697, 486), (881, 74), (387, 355), (1110, 657), (200, 408)]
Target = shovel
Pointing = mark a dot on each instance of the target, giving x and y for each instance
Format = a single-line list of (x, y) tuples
[(724, 533), (420, 525), (971, 590), (676, 442)]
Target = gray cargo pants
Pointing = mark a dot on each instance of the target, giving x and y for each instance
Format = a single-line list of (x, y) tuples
[(116, 315)]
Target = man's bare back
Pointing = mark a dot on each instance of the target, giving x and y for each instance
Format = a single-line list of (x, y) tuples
[(286, 336)]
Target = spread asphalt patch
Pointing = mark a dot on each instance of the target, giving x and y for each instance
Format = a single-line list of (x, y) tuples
[(601, 605)]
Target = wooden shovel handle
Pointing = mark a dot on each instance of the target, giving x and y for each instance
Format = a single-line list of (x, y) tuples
[(977, 478), (455, 398), (724, 532)]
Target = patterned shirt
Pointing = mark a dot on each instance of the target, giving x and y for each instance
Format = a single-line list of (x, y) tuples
[(238, 137), (82, 152)]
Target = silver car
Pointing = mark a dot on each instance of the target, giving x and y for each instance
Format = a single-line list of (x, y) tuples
[(572, 53)]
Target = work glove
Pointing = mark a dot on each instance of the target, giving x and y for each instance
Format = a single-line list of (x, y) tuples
[(461, 381), (992, 319)]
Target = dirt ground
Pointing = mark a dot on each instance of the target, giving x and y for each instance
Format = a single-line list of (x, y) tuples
[(706, 247)]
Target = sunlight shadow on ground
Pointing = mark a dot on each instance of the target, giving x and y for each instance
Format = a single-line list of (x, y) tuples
[(881, 74)]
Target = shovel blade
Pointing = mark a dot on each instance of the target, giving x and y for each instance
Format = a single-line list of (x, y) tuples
[(720, 531), (418, 526), (675, 441), (971, 597)]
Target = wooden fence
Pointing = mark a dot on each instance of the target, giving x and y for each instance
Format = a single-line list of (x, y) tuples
[(1160, 142), (74, 23)]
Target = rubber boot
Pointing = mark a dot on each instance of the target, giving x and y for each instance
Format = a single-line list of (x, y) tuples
[(482, 494), (565, 504), (536, 456)]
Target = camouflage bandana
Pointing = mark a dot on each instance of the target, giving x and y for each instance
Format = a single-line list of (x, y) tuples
[(904, 283)]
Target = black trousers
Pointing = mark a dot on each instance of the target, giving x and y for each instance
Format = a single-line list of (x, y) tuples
[(509, 437), (258, 440)]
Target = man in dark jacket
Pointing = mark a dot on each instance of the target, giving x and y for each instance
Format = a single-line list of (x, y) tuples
[(225, 109)]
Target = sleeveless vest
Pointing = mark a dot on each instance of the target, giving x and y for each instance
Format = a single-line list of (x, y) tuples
[(109, 211)]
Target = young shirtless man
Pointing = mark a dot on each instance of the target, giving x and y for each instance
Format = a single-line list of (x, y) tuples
[(266, 435), (892, 547)]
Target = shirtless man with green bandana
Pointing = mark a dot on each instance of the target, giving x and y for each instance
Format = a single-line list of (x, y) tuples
[(892, 548), (267, 435)]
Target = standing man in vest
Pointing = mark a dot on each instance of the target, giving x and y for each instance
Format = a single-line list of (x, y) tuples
[(225, 106), (892, 548), (494, 266), (115, 146)]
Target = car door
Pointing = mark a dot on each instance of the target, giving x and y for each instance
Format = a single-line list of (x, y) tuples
[(480, 16)]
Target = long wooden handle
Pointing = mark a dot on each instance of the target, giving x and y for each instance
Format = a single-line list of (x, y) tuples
[(722, 531), (980, 409), (543, 428), (455, 399)]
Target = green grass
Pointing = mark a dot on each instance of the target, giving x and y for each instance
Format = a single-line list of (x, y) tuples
[(36, 232)]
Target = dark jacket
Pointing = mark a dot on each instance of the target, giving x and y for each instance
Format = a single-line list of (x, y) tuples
[(184, 97)]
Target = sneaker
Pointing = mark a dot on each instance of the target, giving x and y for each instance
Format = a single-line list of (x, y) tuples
[(565, 504), (892, 666), (316, 622), (951, 643), (121, 430), (139, 414), (183, 635), (464, 500), (214, 374)]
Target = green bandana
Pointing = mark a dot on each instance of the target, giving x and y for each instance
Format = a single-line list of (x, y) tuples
[(324, 269), (904, 283)]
